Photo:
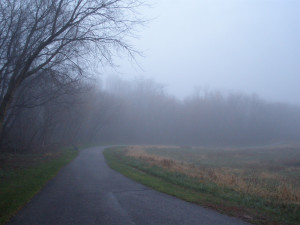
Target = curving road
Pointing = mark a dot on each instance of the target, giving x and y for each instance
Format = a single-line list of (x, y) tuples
[(87, 192)]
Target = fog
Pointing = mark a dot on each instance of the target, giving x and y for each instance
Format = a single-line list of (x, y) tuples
[(209, 72), (148, 114), (250, 46)]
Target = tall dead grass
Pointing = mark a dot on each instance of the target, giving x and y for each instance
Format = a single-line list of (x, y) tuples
[(238, 179)]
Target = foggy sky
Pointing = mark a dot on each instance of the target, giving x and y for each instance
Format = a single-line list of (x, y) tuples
[(252, 46)]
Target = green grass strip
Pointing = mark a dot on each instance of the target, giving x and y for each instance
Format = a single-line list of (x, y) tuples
[(18, 187)]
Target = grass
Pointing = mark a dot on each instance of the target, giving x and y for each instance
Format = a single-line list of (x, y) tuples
[(257, 185), (22, 176)]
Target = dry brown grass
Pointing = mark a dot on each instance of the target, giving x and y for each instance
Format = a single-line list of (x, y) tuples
[(238, 179)]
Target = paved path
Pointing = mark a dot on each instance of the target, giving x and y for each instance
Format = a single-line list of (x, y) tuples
[(88, 192)]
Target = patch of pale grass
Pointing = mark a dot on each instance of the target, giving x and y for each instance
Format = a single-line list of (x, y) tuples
[(237, 179)]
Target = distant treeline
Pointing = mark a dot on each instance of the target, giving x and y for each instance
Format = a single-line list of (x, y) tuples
[(140, 111), (149, 115)]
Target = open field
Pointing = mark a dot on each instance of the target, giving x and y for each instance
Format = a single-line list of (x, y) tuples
[(23, 175), (261, 185)]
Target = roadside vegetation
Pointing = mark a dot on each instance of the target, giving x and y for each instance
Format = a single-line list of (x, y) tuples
[(259, 185), (23, 175)]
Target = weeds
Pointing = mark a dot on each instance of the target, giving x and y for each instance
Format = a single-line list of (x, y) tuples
[(247, 179), (253, 190)]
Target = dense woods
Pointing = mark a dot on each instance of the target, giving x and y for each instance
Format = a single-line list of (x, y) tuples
[(140, 111), (48, 98), (150, 115), (46, 49)]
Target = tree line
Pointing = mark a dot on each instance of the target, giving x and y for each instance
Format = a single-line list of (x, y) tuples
[(150, 115), (46, 47), (49, 99), (141, 112)]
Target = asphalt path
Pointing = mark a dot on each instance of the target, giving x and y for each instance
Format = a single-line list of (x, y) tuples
[(87, 192)]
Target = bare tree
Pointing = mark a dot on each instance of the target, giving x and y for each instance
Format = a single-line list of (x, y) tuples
[(55, 38)]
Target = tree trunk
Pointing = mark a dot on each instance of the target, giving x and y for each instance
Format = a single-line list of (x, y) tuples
[(3, 111)]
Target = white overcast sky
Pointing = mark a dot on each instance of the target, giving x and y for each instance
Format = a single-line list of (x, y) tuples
[(250, 46)]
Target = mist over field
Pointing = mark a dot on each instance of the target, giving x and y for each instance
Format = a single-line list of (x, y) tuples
[(203, 96), (148, 114), (248, 46), (195, 73), (141, 112)]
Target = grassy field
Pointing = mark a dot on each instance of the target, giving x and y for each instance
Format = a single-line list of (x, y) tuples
[(22, 176), (260, 185)]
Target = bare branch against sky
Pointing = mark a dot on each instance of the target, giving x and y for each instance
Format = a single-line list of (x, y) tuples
[(53, 39)]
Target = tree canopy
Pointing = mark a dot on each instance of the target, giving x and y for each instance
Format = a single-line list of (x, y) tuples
[(51, 40)]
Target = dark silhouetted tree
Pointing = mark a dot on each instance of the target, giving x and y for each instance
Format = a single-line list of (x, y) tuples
[(55, 38)]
